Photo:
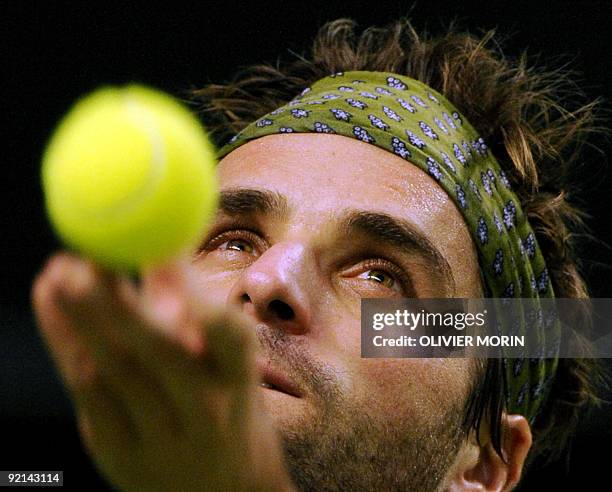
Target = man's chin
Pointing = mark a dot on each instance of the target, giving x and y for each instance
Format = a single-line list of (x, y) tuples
[(342, 446)]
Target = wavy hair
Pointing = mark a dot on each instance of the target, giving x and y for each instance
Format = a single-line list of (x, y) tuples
[(536, 123)]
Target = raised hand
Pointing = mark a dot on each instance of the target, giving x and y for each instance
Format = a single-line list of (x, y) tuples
[(164, 386)]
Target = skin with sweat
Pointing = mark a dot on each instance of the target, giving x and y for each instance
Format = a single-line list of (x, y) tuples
[(298, 254)]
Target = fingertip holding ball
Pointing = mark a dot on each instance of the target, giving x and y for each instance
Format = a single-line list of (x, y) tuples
[(129, 178)]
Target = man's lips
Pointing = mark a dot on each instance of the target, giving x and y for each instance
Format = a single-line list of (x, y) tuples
[(272, 378)]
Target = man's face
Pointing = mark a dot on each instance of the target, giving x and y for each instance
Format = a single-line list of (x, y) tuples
[(309, 224)]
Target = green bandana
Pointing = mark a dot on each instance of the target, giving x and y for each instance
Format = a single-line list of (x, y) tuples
[(416, 123)]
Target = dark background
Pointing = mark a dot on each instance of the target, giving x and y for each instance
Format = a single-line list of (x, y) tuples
[(53, 53)]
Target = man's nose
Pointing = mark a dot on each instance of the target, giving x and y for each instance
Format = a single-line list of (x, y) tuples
[(277, 288)]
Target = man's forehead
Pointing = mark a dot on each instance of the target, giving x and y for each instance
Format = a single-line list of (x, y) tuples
[(331, 171), (322, 175)]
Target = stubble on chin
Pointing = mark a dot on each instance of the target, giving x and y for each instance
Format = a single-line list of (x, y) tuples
[(341, 444)]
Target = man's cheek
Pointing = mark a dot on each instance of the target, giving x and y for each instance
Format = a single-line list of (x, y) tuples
[(215, 287), (404, 388)]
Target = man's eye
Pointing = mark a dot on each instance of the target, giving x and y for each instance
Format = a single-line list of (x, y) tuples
[(240, 240), (237, 245), (380, 277)]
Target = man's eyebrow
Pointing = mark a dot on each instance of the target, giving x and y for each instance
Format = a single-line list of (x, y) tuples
[(384, 228), (377, 226), (244, 201)]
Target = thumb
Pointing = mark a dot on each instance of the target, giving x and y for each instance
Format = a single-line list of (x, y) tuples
[(170, 300)]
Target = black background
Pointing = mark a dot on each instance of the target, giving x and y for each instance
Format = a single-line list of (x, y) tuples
[(54, 52)]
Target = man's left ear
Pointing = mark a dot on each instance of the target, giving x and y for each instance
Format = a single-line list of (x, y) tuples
[(478, 467)]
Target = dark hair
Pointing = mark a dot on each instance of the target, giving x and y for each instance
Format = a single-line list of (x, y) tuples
[(533, 121)]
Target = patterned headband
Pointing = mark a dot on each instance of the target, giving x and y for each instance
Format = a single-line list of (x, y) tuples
[(413, 121)]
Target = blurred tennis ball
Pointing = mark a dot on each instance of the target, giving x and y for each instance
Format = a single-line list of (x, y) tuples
[(129, 178)]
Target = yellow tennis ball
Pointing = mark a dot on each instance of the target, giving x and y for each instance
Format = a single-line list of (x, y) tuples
[(129, 178)]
